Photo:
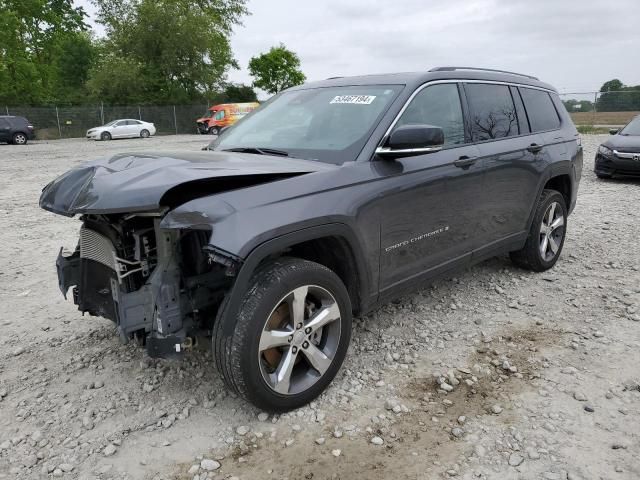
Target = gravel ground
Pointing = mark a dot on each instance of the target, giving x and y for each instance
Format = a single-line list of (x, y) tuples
[(497, 373)]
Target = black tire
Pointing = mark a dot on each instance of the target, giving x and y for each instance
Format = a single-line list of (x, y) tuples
[(530, 256), (104, 136), (19, 138), (603, 176), (214, 130), (236, 340), (144, 133)]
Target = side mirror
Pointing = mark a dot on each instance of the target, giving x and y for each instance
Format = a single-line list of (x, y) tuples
[(412, 140), (613, 131)]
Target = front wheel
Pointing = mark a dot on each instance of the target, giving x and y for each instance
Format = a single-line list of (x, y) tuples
[(105, 136), (546, 236), (214, 130), (19, 139), (289, 338)]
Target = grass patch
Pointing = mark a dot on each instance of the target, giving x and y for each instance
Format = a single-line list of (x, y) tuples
[(590, 129)]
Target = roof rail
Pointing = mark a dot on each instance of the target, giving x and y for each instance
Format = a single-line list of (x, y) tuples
[(451, 69)]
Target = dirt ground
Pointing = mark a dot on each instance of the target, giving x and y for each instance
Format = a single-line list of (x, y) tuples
[(544, 369)]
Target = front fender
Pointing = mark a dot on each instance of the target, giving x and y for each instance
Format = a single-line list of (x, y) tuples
[(275, 245)]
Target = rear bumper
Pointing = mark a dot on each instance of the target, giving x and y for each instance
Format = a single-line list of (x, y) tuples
[(612, 165)]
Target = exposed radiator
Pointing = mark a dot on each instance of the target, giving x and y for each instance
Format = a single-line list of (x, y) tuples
[(97, 247)]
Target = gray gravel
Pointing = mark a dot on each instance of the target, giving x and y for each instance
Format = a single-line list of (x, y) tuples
[(487, 375)]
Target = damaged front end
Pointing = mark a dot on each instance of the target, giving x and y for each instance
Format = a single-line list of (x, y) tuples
[(143, 262), (157, 285)]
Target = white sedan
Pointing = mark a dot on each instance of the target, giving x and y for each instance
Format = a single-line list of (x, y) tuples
[(127, 128)]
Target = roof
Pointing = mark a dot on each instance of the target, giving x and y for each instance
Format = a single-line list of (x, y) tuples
[(415, 79)]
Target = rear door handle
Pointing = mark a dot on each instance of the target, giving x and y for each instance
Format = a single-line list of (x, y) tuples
[(465, 162), (535, 148)]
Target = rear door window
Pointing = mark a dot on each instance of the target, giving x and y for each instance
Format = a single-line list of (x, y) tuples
[(540, 110), (492, 111), (437, 105)]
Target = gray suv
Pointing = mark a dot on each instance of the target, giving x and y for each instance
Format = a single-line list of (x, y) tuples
[(327, 201)]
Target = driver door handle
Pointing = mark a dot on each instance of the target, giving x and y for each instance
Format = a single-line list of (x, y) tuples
[(465, 162)]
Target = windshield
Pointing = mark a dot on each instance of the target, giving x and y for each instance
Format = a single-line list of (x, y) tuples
[(328, 124), (632, 128), (111, 123), (209, 114)]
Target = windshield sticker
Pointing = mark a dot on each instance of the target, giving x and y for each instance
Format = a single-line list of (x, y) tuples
[(356, 99)]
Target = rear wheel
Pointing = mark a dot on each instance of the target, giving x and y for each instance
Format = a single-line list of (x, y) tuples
[(289, 338), (105, 136), (144, 133), (546, 236), (19, 139)]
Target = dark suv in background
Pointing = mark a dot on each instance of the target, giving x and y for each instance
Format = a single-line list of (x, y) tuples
[(326, 201), (16, 130)]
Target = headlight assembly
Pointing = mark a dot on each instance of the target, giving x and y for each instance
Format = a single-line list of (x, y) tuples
[(606, 151)]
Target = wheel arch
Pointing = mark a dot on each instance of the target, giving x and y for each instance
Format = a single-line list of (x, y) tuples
[(332, 245), (560, 183), (557, 176)]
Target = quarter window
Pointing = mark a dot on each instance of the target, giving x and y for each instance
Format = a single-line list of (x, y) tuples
[(542, 114), (492, 112), (437, 105)]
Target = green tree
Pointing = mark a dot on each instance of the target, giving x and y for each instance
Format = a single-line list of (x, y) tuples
[(75, 54), (178, 49), (614, 85), (239, 93), (616, 97), (573, 105), (31, 32), (276, 70)]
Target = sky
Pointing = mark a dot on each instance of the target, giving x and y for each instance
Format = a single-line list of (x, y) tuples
[(575, 45)]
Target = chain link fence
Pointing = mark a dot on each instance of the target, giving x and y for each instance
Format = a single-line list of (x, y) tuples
[(589, 110), (70, 122), (602, 110)]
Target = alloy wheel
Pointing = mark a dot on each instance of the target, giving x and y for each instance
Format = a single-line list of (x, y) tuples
[(551, 231), (20, 139), (299, 340)]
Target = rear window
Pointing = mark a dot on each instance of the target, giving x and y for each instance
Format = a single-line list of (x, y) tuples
[(540, 110), (492, 112)]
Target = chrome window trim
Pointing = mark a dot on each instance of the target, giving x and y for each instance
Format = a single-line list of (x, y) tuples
[(457, 81), (386, 150)]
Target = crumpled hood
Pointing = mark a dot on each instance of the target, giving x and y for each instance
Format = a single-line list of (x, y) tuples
[(136, 182)]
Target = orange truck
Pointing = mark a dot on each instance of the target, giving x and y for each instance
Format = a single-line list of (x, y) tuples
[(223, 115)]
